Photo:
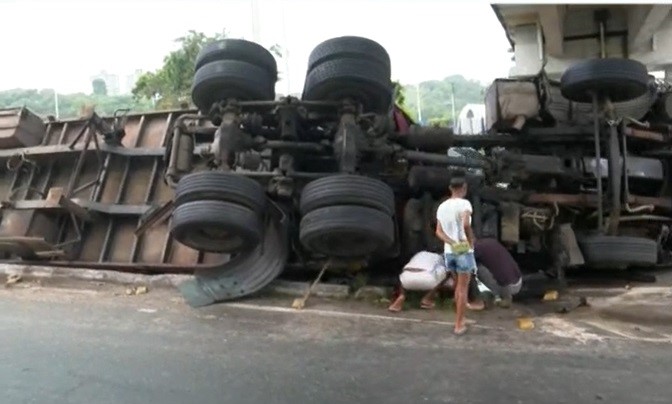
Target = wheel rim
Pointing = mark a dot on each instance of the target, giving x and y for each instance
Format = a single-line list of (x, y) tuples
[(212, 238), (344, 243)]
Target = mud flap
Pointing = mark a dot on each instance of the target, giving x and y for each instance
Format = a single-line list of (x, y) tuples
[(248, 272)]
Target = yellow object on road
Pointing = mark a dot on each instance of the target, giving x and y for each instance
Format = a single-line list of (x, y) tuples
[(551, 295), (525, 323)]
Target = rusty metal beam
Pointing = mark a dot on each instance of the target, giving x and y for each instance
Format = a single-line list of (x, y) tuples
[(155, 217), (63, 150), (103, 208), (587, 200), (645, 134)]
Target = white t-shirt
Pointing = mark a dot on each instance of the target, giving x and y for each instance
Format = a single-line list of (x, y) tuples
[(448, 215), (426, 261)]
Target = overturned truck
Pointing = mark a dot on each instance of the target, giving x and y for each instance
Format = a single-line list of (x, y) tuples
[(592, 179), (248, 186)]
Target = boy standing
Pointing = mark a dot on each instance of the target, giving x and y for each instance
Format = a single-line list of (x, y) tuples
[(453, 227)]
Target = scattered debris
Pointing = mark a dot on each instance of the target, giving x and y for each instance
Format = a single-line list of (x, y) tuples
[(13, 279), (137, 290), (573, 305), (551, 295), (525, 323)]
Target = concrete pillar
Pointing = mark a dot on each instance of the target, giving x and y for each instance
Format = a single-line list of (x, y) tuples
[(527, 51)]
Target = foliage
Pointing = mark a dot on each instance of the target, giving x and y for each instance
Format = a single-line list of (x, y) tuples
[(99, 87), (42, 102), (435, 98), (399, 94), (171, 84)]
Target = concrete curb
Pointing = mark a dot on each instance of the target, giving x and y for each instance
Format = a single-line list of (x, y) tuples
[(159, 281), (298, 289), (96, 275)]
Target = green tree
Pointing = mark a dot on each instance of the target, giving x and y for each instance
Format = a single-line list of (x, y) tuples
[(399, 94), (99, 87), (170, 85)]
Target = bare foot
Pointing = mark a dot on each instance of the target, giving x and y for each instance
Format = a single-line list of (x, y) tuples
[(460, 330), (428, 305), (476, 306), (397, 305)]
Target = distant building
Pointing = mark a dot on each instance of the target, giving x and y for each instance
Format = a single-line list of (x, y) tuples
[(471, 120), (115, 86), (131, 79), (111, 82)]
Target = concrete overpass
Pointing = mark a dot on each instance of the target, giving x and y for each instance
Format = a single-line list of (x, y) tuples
[(558, 35)]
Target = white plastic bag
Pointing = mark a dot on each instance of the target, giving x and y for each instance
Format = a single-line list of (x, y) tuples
[(423, 280)]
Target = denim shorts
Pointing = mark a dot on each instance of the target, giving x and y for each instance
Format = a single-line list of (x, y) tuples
[(462, 263)]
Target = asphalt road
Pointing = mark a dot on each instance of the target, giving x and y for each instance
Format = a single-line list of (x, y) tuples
[(102, 347)]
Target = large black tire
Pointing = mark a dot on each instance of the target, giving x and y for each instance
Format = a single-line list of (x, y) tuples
[(221, 186), (347, 231), (224, 79), (240, 50), (353, 47), (619, 79), (618, 250), (347, 190), (215, 226), (362, 80), (635, 108)]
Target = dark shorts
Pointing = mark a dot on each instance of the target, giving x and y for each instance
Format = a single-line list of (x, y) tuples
[(462, 263)]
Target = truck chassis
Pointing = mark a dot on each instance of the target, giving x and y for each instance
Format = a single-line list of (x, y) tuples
[(248, 186)]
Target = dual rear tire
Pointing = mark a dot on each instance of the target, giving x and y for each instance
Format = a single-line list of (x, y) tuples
[(233, 69), (347, 216), (218, 212), (352, 68), (340, 68)]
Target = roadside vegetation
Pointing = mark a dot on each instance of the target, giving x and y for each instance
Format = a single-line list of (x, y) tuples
[(169, 87)]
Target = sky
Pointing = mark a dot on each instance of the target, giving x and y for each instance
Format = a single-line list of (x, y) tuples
[(61, 44)]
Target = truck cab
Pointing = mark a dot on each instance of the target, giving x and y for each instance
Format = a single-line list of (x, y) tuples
[(587, 112)]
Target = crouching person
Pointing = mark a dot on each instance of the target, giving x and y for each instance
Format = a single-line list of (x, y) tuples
[(424, 272), (497, 270)]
